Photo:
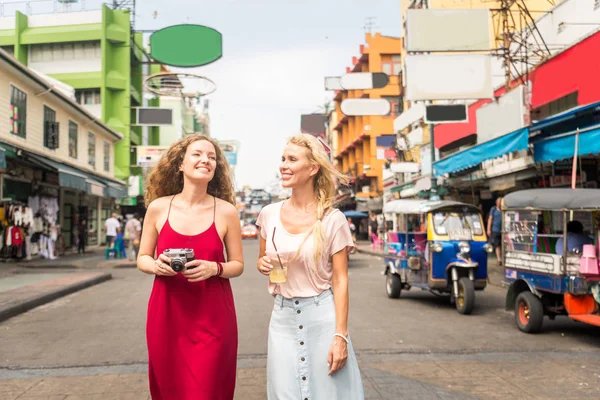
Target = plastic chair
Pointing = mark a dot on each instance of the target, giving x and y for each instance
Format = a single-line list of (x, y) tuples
[(118, 249)]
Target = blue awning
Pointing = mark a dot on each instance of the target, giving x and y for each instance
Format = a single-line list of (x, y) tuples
[(563, 146), (2, 157), (68, 177), (564, 116), (514, 141), (115, 190)]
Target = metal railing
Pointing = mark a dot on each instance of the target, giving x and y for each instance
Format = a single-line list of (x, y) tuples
[(36, 7)]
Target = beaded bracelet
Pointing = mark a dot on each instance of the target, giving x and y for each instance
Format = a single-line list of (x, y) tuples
[(343, 337)]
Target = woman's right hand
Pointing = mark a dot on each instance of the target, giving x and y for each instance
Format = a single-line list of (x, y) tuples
[(263, 265), (162, 266)]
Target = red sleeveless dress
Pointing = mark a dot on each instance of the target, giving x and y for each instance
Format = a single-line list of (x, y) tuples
[(191, 328)]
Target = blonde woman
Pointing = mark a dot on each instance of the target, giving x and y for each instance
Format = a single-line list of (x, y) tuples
[(191, 326), (310, 355)]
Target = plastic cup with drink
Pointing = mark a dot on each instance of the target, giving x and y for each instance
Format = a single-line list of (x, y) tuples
[(279, 272)]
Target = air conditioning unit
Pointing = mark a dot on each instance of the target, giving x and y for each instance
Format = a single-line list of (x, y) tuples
[(52, 134)]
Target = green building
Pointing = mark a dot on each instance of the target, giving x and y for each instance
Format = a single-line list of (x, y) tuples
[(97, 54)]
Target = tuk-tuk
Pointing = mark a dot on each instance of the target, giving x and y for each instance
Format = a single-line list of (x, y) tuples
[(438, 246), (550, 255)]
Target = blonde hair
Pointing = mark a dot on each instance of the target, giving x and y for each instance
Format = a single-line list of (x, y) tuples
[(324, 185), (166, 179)]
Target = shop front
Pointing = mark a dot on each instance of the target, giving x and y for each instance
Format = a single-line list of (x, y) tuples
[(29, 208)]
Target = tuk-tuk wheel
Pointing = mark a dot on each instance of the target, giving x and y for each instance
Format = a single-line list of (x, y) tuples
[(393, 285), (529, 312), (465, 301)]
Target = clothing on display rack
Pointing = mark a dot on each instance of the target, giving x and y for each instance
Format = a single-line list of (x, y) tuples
[(29, 229)]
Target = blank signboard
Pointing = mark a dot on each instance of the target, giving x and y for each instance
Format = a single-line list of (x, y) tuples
[(154, 116), (448, 30), (448, 77)]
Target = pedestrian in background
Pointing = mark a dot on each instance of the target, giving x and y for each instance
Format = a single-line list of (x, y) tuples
[(133, 234), (310, 353), (82, 236), (372, 227), (191, 327), (494, 228), (111, 228)]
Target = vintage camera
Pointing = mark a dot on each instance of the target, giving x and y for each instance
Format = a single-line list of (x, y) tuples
[(179, 257)]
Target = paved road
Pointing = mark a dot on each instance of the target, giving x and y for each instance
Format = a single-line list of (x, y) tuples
[(92, 344)]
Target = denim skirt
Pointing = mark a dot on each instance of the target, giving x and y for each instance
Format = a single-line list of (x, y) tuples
[(301, 332)]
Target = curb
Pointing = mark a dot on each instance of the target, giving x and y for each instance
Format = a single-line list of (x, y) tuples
[(44, 298)]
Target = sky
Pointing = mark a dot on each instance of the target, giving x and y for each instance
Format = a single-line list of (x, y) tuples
[(276, 54)]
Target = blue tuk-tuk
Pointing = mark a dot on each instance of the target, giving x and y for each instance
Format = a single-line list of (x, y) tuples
[(550, 255), (438, 246)]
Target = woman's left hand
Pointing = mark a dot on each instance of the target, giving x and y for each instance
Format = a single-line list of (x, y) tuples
[(338, 354), (200, 270)]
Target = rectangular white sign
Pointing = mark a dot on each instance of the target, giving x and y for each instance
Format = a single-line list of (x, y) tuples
[(148, 156), (448, 30), (501, 117), (448, 77)]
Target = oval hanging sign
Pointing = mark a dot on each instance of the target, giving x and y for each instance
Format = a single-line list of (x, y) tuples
[(186, 45)]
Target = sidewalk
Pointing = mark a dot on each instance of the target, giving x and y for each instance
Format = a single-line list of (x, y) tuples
[(495, 272), (20, 292), (94, 257)]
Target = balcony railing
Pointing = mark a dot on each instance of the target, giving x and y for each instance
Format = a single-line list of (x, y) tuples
[(36, 7)]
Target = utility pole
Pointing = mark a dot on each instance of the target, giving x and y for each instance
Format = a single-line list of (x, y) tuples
[(433, 194)]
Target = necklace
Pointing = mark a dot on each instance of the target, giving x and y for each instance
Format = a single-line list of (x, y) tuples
[(305, 209)]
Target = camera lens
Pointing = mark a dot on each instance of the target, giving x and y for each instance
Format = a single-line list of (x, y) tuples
[(177, 265)]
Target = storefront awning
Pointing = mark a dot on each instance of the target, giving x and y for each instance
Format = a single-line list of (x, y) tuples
[(2, 157), (115, 190), (68, 177), (515, 141), (95, 187), (565, 116), (563, 146)]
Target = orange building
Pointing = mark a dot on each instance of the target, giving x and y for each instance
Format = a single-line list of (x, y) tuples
[(356, 150)]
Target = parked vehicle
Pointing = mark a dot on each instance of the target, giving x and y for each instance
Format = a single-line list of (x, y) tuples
[(438, 246), (250, 232), (547, 277)]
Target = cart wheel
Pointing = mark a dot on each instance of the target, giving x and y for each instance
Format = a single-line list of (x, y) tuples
[(529, 312), (465, 301), (393, 286)]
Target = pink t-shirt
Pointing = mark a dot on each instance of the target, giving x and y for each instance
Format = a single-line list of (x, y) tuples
[(303, 279)]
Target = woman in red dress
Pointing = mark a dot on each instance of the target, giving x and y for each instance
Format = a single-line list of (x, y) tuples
[(191, 326)]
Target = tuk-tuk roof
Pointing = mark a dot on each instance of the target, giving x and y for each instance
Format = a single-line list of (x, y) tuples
[(424, 206), (553, 199)]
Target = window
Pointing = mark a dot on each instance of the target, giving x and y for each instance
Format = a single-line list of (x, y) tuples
[(396, 106), (65, 51), (396, 65), (18, 112), (72, 139), (50, 128), (92, 149), (392, 66), (106, 156), (9, 49), (87, 96), (555, 107)]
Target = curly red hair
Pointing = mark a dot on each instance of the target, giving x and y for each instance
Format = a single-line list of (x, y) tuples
[(166, 179)]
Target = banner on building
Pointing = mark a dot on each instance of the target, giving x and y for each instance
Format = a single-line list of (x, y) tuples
[(230, 149), (148, 156), (231, 158)]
